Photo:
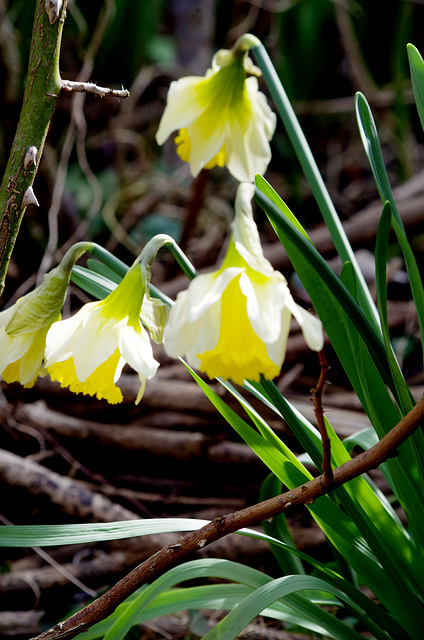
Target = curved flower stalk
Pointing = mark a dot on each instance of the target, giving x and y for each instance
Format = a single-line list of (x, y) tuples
[(222, 118), (88, 351), (234, 322), (24, 326)]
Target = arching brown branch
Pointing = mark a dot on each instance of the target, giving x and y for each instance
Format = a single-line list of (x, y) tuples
[(177, 551)]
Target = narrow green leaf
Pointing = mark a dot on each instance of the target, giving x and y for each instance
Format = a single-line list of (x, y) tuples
[(222, 597), (372, 148), (369, 137), (103, 270), (93, 283), (381, 253), (278, 528), (268, 190), (416, 66), (223, 569), (282, 588)]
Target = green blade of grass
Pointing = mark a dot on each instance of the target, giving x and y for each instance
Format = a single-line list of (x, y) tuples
[(416, 66), (372, 148), (261, 598)]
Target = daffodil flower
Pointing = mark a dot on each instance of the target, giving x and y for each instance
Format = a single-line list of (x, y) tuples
[(88, 351), (24, 326), (234, 322), (222, 118)]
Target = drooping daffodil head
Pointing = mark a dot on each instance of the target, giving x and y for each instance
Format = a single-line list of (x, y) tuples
[(234, 322), (221, 118), (24, 326), (88, 351)]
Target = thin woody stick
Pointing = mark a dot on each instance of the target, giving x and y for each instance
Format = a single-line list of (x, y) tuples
[(91, 87), (177, 551), (319, 413)]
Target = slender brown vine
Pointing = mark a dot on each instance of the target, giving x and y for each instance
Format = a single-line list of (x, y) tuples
[(221, 526), (319, 414)]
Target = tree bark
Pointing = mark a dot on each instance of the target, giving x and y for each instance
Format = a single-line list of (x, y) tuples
[(42, 90)]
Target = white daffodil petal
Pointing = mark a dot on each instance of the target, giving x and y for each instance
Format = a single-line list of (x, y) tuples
[(277, 350), (247, 147), (118, 370), (183, 107), (141, 389), (5, 317), (245, 231), (63, 335), (205, 333), (207, 289), (184, 336), (265, 302), (95, 344), (30, 363), (311, 326), (154, 314), (212, 136), (136, 349), (13, 349)]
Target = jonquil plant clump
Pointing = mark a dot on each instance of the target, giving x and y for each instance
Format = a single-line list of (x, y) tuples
[(232, 324)]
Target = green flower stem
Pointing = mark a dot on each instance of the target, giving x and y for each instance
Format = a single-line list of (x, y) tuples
[(163, 240), (74, 253), (182, 260), (314, 178), (109, 259), (42, 90), (159, 241)]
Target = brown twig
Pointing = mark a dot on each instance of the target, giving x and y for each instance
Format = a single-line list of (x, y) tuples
[(177, 551), (319, 413), (91, 87)]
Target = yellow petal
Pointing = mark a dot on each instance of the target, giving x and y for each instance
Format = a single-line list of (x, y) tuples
[(183, 143), (239, 353), (100, 383), (12, 373)]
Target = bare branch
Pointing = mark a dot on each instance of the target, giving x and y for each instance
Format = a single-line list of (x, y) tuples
[(319, 414), (91, 87)]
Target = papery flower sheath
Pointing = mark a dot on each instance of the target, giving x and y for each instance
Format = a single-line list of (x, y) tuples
[(24, 326), (88, 351), (222, 118), (234, 322)]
